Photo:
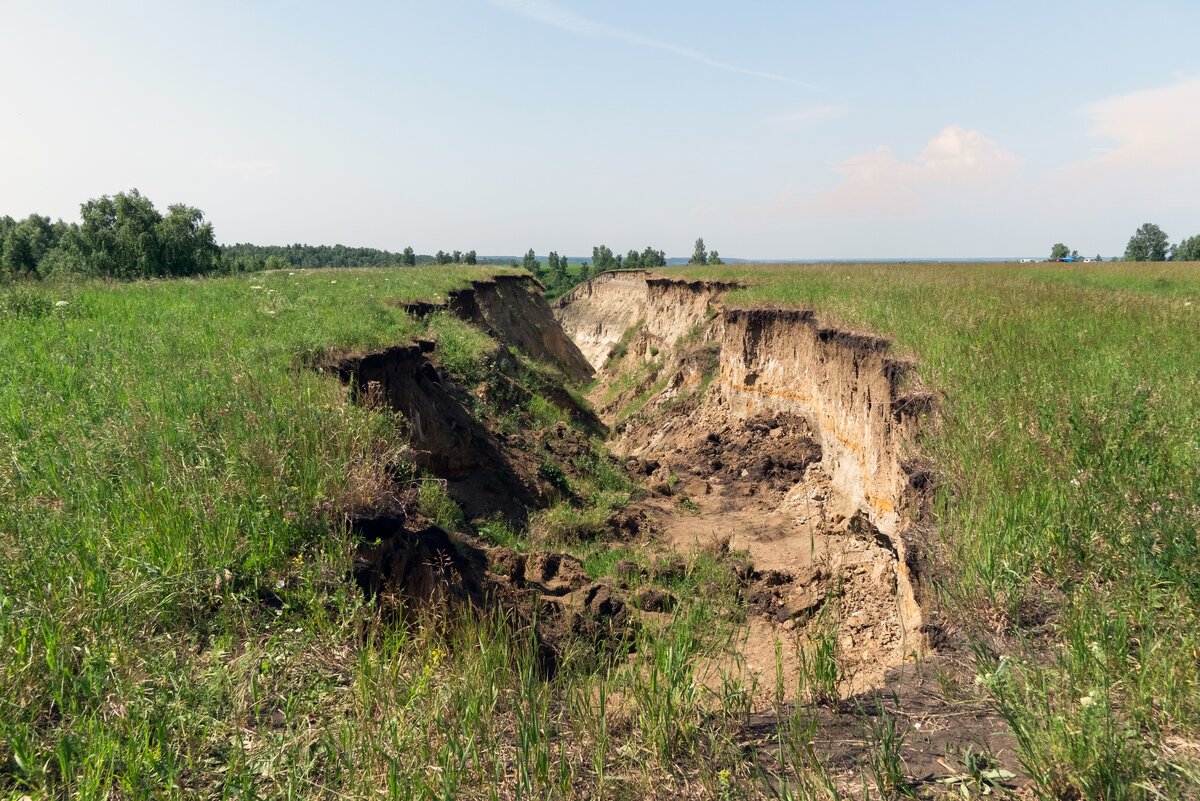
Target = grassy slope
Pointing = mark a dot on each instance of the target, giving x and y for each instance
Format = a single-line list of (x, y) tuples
[(177, 616), (1070, 450)]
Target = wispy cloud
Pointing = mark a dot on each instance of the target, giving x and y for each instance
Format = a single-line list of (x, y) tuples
[(550, 13)]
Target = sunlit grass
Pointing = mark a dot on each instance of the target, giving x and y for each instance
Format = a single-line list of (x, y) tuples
[(178, 615)]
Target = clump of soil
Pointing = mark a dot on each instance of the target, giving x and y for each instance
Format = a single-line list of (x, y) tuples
[(765, 456), (413, 568)]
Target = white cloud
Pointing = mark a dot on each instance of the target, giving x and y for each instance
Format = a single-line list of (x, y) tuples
[(809, 115), (549, 13), (954, 160), (1153, 129)]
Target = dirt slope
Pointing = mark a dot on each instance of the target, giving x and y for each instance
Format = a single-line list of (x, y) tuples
[(776, 436)]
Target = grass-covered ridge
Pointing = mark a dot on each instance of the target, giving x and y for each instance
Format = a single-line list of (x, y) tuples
[(1069, 510)]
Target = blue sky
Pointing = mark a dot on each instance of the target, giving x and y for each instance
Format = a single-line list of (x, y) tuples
[(772, 129)]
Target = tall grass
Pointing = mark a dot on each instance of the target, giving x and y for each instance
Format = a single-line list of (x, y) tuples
[(177, 613)]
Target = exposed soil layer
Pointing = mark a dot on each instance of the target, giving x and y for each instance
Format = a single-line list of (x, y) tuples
[(765, 432), (481, 474), (412, 568), (759, 435), (511, 308)]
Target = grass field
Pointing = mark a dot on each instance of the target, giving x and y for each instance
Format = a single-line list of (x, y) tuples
[(177, 613), (1069, 509), (176, 617)]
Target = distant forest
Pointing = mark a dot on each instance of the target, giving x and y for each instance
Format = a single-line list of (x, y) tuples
[(124, 236)]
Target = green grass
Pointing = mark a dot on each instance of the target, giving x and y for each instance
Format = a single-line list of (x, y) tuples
[(1069, 507), (178, 615)]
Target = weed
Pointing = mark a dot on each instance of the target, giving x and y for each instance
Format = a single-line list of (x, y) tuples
[(438, 506)]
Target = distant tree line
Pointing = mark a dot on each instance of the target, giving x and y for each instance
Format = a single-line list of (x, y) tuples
[(244, 257), (557, 275), (1148, 243), (124, 236)]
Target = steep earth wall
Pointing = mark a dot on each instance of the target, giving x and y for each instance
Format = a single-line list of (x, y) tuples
[(597, 314), (848, 386), (511, 308)]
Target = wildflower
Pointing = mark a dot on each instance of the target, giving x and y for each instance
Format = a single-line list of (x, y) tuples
[(1087, 700), (723, 777), (62, 304)]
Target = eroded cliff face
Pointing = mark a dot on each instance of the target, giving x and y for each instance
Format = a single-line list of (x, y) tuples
[(601, 311), (841, 521), (512, 309), (650, 313)]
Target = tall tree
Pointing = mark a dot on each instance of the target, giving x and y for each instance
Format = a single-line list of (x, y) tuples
[(24, 244), (442, 257), (409, 258), (1059, 251), (456, 256), (1188, 249), (715, 258), (530, 262), (602, 258), (652, 258), (1148, 243), (470, 258), (186, 243), (699, 255)]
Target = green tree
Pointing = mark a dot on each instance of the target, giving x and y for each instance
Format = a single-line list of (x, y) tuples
[(652, 258), (602, 259), (715, 258), (442, 257), (633, 260), (1059, 251), (699, 255), (530, 262), (584, 272), (558, 268), (1188, 249), (186, 244), (24, 244), (124, 236), (457, 257), (470, 258), (409, 258), (1148, 243)]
